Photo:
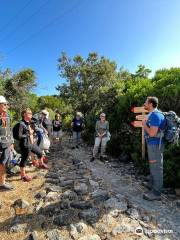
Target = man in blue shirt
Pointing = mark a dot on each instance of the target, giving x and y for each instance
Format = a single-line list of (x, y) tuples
[(153, 128)]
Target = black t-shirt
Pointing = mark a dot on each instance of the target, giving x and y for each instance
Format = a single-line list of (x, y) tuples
[(57, 125), (77, 124)]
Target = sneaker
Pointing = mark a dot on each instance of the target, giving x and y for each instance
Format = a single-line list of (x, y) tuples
[(26, 178), (6, 187), (151, 196), (92, 159)]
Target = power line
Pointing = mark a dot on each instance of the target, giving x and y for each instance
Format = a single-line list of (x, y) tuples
[(47, 25), (15, 16), (24, 23)]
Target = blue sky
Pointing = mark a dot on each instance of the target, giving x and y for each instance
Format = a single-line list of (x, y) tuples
[(33, 33)]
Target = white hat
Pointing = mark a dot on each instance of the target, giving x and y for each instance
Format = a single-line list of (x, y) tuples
[(3, 100), (45, 112)]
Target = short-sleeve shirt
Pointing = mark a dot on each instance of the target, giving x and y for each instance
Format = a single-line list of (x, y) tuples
[(77, 124), (57, 125), (155, 119)]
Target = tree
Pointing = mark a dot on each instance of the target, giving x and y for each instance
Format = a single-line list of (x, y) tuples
[(142, 71), (18, 87), (86, 80)]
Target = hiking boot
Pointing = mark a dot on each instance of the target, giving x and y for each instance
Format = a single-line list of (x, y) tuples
[(92, 159), (151, 196), (26, 178), (73, 148), (77, 146), (6, 187), (101, 158)]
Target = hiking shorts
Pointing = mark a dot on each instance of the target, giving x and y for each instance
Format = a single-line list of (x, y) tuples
[(5, 155), (57, 134)]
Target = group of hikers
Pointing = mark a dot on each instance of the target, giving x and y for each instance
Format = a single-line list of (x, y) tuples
[(34, 132)]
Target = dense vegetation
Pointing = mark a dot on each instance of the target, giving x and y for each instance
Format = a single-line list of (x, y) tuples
[(95, 84)]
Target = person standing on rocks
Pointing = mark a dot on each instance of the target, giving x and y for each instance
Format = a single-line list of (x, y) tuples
[(153, 127), (57, 127), (26, 144), (102, 136), (45, 122), (6, 143), (77, 126)]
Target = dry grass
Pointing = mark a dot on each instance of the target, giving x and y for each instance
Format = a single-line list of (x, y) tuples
[(22, 190)]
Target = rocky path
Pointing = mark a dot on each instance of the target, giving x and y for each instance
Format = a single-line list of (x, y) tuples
[(80, 200)]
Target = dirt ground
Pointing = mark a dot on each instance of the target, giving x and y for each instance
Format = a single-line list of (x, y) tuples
[(22, 190)]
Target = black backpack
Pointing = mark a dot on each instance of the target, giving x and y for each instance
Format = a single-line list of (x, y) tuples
[(15, 130)]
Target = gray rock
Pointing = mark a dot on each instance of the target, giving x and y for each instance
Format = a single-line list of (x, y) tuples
[(52, 180), (62, 179), (81, 205), (50, 210), (81, 227), (76, 230), (91, 216), (40, 195), (18, 228), (70, 195), (93, 184), (65, 218), (52, 188), (52, 175), (100, 196), (65, 204), (66, 183), (133, 213), (81, 188), (114, 203), (53, 235)]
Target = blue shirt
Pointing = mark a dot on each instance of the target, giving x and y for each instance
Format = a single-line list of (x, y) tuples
[(155, 119)]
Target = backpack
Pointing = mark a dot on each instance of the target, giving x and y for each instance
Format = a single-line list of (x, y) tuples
[(15, 130), (172, 127)]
